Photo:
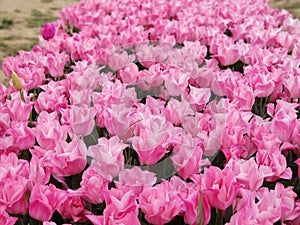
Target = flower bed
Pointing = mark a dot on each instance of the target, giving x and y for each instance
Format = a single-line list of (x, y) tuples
[(154, 112)]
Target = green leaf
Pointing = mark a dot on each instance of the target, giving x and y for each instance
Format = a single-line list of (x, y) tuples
[(200, 202), (91, 139)]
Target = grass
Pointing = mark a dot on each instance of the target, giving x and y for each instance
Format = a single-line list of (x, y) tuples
[(6, 23), (54, 8), (46, 1), (8, 38), (3, 47), (38, 19), (295, 5), (13, 50)]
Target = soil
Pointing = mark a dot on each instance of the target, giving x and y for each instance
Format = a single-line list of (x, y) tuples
[(21, 21)]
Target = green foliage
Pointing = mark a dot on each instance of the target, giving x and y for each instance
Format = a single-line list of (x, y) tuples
[(6, 23), (260, 107), (38, 18), (46, 1)]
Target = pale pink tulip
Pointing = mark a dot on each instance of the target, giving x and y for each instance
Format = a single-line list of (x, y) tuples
[(44, 200)]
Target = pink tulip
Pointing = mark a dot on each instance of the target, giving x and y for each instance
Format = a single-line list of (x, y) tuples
[(49, 223), (276, 162), (129, 74), (85, 75), (220, 187), (149, 55), (122, 207), (193, 200), (228, 55), (135, 179), (262, 137), (120, 121), (243, 97), (3, 93), (19, 110), (74, 208), (8, 65), (198, 97), (108, 159), (151, 138), (23, 136), (204, 76), (187, 158), (53, 98), (39, 174), (225, 51), (176, 111), (160, 203), (270, 202), (80, 98), (292, 84), (151, 78), (5, 218), (176, 81), (117, 61), (44, 200), (287, 197), (261, 80), (4, 121), (234, 128), (284, 120), (245, 169), (31, 77), (82, 120), (13, 195), (12, 167), (196, 50), (68, 158), (248, 212), (48, 31), (93, 185), (56, 63), (49, 130)]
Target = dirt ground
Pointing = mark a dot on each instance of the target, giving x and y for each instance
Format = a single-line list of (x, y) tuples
[(20, 22)]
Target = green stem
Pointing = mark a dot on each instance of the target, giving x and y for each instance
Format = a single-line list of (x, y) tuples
[(22, 95), (261, 106), (30, 116), (219, 217), (34, 95)]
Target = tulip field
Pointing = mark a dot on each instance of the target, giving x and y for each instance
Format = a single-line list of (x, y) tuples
[(140, 112)]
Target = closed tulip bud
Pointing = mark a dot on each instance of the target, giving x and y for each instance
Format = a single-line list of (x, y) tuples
[(17, 83), (48, 31)]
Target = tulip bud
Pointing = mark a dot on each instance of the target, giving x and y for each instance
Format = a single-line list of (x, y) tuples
[(17, 83), (48, 31)]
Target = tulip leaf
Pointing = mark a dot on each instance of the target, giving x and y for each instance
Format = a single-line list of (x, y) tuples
[(199, 216), (91, 139)]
